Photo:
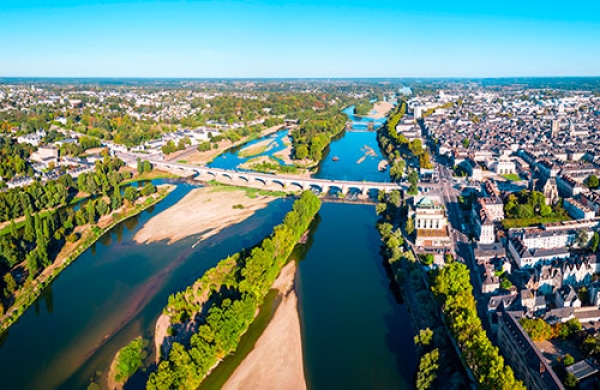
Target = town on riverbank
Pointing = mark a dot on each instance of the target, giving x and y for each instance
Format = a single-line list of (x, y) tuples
[(484, 199)]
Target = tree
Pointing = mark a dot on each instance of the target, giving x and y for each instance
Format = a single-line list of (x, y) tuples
[(410, 226), (424, 337), (594, 242), (570, 380), (10, 283), (568, 360), (28, 231), (428, 367), (140, 168), (593, 181), (413, 179), (427, 259), (301, 152), (130, 194), (465, 143), (147, 167)]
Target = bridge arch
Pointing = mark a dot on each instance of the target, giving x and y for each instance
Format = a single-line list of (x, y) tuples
[(260, 179), (282, 183), (298, 184)]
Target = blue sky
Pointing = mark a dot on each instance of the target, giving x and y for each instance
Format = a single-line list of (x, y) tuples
[(252, 38)]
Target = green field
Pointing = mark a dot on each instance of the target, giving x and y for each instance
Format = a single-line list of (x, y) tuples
[(511, 177)]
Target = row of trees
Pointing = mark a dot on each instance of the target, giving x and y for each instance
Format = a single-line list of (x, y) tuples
[(399, 149), (453, 288), (43, 234), (55, 193), (233, 301), (437, 358)]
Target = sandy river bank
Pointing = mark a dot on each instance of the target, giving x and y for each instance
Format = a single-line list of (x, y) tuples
[(276, 361), (206, 210)]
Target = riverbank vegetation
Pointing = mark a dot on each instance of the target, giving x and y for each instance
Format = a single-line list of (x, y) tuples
[(438, 361), (128, 361), (34, 253), (224, 301), (401, 152), (452, 286), (363, 108), (314, 135)]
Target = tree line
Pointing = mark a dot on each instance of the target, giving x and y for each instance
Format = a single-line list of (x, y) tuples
[(399, 149), (43, 234), (242, 283), (453, 288)]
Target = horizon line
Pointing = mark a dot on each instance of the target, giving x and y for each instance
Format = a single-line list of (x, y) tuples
[(299, 77)]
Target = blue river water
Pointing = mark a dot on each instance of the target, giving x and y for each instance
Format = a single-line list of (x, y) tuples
[(355, 333), (231, 159)]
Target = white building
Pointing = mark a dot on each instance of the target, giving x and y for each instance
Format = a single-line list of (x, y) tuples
[(430, 222)]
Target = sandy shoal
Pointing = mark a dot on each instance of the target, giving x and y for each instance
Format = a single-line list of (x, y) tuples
[(193, 156), (258, 147), (276, 360), (205, 210), (381, 109)]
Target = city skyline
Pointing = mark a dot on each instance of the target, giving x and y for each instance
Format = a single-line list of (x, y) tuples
[(291, 39)]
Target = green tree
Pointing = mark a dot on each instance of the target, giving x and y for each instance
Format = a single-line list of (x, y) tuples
[(570, 380), (301, 152), (147, 167), (424, 337), (568, 360), (140, 168), (593, 182), (465, 143), (594, 242), (10, 284), (428, 367), (28, 231), (410, 226), (130, 194)]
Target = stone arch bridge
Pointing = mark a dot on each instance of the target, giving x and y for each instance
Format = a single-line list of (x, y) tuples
[(258, 180)]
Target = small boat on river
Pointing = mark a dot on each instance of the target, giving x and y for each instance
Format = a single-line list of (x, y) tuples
[(335, 158)]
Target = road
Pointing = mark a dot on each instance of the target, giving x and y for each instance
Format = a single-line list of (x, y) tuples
[(462, 247)]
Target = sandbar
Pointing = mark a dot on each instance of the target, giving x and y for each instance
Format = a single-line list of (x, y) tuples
[(381, 109), (276, 360), (206, 210)]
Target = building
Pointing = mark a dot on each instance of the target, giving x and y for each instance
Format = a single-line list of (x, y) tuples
[(566, 296), (431, 224), (550, 191), (45, 155), (527, 257), (568, 186), (523, 356), (577, 210), (32, 138), (483, 223), (473, 169)]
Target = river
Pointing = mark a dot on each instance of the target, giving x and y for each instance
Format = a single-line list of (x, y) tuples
[(112, 293), (355, 333)]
